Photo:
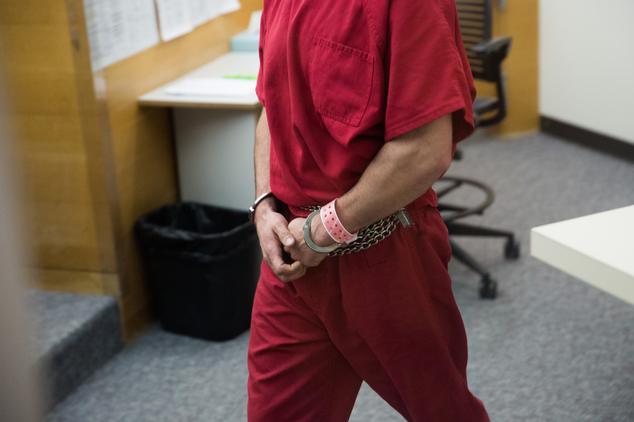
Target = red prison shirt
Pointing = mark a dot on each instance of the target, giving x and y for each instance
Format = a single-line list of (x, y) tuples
[(338, 78)]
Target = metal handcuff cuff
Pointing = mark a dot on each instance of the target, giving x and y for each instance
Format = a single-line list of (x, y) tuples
[(368, 236)]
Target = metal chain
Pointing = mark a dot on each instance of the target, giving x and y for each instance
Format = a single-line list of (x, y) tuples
[(368, 236)]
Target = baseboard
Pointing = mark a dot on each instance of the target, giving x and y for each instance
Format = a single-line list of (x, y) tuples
[(587, 138)]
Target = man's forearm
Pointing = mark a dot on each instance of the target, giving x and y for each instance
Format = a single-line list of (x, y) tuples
[(401, 172), (261, 158)]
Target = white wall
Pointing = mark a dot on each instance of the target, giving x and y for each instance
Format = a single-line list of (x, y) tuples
[(587, 64)]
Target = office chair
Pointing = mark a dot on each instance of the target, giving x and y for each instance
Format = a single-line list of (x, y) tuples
[(485, 57)]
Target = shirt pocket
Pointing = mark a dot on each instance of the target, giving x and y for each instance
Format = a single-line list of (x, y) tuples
[(340, 81)]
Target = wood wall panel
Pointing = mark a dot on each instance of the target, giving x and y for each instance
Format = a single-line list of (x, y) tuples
[(520, 21), (39, 12), (70, 186), (37, 56), (42, 92), (62, 235), (98, 146), (34, 46), (48, 133)]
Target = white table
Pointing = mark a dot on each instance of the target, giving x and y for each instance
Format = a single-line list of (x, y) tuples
[(214, 136), (598, 249)]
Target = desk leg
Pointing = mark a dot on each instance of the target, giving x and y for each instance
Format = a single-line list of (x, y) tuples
[(214, 151)]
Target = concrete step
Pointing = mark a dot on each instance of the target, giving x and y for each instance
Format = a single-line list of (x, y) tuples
[(76, 334)]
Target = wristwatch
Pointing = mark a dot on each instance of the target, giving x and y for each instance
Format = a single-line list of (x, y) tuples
[(256, 203)]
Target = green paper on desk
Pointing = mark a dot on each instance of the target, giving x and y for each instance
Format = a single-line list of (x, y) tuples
[(240, 76)]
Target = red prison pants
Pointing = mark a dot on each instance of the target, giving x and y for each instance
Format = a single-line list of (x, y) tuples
[(386, 316)]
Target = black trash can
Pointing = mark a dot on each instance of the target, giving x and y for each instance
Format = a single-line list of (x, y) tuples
[(203, 264)]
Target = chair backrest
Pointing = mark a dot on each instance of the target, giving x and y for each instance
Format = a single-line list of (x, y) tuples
[(475, 26)]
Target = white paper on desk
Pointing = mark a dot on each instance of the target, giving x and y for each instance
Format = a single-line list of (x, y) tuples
[(217, 87), (174, 18), (118, 29)]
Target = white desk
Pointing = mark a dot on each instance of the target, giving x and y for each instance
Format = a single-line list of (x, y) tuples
[(214, 136), (598, 249)]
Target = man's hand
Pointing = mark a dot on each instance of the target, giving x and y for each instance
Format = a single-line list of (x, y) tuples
[(273, 233), (299, 250), (271, 225)]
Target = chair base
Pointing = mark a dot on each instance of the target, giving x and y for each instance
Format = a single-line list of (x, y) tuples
[(451, 215), (511, 248), (488, 286)]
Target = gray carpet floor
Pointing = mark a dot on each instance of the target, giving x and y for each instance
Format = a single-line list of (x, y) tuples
[(549, 348), (60, 315), (75, 334)]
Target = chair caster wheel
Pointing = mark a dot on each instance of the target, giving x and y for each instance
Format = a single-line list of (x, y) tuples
[(488, 288), (512, 250)]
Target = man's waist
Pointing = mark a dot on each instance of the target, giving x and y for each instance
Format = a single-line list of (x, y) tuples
[(375, 232), (428, 198)]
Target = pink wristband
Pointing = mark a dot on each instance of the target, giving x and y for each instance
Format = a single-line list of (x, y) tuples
[(333, 226)]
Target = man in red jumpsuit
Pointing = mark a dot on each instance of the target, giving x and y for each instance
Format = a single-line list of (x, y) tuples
[(364, 103)]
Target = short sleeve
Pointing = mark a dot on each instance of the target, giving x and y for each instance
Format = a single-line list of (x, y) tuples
[(259, 86), (427, 71)]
